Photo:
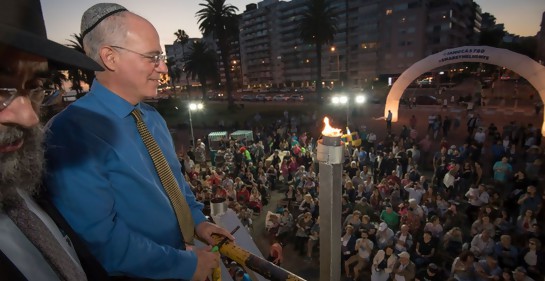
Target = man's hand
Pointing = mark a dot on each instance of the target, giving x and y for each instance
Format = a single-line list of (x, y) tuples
[(205, 230), (206, 262)]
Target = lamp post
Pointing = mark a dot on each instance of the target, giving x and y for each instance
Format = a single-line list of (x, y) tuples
[(345, 100), (333, 49), (192, 107)]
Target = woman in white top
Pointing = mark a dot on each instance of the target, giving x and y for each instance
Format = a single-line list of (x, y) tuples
[(383, 264)]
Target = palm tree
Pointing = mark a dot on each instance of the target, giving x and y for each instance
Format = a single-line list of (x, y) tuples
[(86, 76), (219, 19), (201, 63), (174, 72), (56, 79), (318, 26), (182, 38)]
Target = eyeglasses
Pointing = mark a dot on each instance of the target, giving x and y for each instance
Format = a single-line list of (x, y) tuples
[(8, 95), (156, 59)]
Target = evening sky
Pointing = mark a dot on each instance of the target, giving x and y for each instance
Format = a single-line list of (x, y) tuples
[(62, 17)]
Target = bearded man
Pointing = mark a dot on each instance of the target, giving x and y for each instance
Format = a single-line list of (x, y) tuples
[(31, 245)]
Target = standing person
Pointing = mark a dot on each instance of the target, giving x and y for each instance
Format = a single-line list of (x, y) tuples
[(200, 154), (446, 126), (275, 252), (431, 121), (313, 238), (118, 183), (32, 246), (472, 123), (502, 170), (412, 122), (389, 122)]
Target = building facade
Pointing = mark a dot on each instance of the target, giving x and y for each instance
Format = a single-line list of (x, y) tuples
[(374, 39)]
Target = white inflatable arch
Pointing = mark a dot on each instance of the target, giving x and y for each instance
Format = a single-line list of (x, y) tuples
[(521, 64)]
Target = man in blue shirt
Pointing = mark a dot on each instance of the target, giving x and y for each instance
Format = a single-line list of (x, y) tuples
[(100, 174)]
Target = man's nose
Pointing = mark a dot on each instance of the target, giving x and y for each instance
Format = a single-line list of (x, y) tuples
[(162, 67), (20, 112)]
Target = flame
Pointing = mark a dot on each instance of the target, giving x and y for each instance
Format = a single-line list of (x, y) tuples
[(330, 131)]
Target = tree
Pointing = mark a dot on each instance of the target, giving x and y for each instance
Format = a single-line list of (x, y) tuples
[(55, 80), (174, 72), (219, 19), (75, 75), (318, 26), (86, 76), (201, 63), (182, 38)]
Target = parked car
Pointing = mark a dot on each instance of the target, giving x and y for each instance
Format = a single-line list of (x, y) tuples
[(212, 95), (285, 90), (280, 98), (422, 100), (296, 98), (426, 100), (262, 97), (247, 98)]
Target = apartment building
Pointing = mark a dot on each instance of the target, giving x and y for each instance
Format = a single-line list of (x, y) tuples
[(375, 39)]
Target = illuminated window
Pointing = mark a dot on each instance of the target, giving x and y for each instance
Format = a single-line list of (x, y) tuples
[(369, 45), (389, 12)]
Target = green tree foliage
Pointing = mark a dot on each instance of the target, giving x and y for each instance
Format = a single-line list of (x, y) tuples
[(318, 27), (77, 75), (201, 63), (219, 19)]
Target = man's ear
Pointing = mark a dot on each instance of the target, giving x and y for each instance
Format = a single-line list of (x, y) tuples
[(108, 57)]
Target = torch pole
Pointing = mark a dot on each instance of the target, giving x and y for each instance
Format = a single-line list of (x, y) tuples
[(265, 268), (330, 158)]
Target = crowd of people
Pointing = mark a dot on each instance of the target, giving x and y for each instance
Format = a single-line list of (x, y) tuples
[(418, 207), (116, 206)]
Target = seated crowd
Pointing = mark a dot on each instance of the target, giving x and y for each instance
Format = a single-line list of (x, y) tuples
[(470, 220)]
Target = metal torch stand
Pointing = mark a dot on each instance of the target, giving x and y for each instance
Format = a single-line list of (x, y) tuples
[(330, 156)]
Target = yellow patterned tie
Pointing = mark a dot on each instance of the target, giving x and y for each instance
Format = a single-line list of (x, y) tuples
[(177, 199)]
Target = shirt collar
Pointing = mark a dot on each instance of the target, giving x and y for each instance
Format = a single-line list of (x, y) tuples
[(112, 101)]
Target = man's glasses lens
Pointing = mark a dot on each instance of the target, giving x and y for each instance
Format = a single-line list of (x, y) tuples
[(8, 95)]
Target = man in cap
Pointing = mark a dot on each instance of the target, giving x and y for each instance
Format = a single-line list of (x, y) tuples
[(404, 268), (430, 273), (113, 172), (32, 247), (384, 236)]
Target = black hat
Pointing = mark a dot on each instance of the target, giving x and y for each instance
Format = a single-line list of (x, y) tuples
[(22, 26)]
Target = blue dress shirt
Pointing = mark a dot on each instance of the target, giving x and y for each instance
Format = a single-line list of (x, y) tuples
[(101, 178)]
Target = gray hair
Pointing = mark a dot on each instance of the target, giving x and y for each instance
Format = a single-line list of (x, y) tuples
[(111, 31)]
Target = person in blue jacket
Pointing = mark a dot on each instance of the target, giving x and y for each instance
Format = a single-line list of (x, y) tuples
[(100, 174)]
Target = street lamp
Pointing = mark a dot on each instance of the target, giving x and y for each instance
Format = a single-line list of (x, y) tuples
[(193, 107), (333, 49), (344, 100)]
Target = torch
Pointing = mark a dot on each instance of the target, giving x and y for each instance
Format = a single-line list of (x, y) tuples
[(330, 158), (248, 260)]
